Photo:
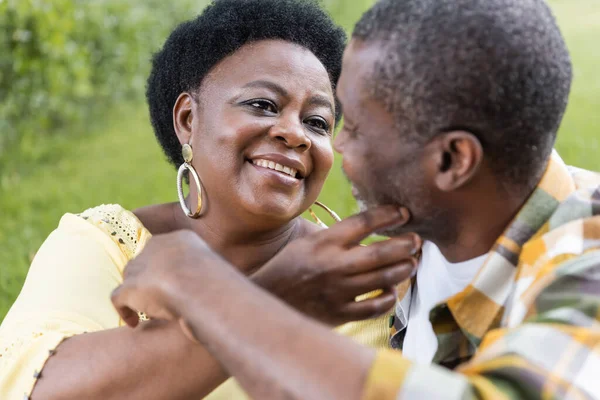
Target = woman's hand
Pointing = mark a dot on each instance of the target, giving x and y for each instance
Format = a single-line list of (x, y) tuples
[(322, 274)]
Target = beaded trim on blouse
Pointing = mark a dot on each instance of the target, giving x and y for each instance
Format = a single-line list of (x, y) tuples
[(122, 227), (119, 224)]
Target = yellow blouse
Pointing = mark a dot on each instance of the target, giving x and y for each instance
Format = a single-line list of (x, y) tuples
[(67, 292)]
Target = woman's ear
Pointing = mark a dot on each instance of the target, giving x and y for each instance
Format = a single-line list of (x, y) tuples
[(459, 156), (183, 117)]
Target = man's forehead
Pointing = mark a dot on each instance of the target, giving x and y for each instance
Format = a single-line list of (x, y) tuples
[(358, 63), (362, 55)]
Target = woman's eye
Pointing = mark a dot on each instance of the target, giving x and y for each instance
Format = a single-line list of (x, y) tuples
[(318, 123), (262, 104)]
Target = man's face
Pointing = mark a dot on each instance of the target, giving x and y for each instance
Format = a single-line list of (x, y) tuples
[(383, 163)]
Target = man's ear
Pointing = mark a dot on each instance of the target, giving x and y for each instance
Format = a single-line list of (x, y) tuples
[(183, 117), (459, 156)]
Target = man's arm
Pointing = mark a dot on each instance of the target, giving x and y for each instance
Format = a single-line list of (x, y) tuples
[(326, 271), (275, 352)]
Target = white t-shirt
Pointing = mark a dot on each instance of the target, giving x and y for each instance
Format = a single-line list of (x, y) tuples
[(437, 280)]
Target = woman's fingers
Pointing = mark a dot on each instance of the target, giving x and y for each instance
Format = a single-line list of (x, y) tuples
[(354, 229), (369, 308), (381, 278), (362, 259)]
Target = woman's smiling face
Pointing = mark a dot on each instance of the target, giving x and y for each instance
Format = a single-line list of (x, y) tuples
[(261, 129)]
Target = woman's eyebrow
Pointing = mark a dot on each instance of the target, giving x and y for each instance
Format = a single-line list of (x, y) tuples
[(269, 85), (319, 100), (316, 100)]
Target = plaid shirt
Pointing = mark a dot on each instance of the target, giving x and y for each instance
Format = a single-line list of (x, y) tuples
[(528, 325)]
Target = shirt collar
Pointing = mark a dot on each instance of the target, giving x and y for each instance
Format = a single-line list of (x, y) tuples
[(478, 306)]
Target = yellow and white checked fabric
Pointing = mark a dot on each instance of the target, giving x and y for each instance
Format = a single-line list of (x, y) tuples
[(528, 326)]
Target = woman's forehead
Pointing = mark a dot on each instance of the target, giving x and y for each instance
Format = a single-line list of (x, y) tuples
[(286, 63)]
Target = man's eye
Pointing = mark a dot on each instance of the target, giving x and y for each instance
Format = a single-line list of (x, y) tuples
[(352, 132), (262, 104), (318, 123)]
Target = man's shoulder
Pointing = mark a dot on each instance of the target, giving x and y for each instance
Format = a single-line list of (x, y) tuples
[(574, 226), (571, 231), (583, 205), (583, 178), (560, 259)]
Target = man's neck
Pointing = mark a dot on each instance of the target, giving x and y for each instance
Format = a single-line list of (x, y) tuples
[(480, 223)]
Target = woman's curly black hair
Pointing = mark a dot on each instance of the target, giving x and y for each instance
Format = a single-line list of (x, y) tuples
[(196, 46)]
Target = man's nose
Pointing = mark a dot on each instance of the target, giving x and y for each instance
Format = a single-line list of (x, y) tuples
[(338, 141)]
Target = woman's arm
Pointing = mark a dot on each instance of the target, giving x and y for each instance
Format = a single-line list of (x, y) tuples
[(153, 361), (67, 293)]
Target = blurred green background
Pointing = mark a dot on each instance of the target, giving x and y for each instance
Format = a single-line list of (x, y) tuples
[(74, 129)]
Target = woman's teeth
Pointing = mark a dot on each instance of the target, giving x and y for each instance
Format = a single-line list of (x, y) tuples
[(277, 167)]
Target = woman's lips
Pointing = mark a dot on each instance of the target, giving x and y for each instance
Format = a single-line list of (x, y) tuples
[(270, 160), (275, 166), (277, 177)]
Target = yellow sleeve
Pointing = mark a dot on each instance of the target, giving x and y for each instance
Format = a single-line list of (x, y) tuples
[(374, 332), (66, 292), (386, 376), (393, 377)]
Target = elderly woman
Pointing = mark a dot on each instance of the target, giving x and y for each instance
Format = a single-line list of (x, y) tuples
[(242, 100)]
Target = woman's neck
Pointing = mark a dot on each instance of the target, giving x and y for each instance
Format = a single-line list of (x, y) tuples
[(246, 247)]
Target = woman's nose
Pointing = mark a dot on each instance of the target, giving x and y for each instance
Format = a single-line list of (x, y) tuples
[(291, 133)]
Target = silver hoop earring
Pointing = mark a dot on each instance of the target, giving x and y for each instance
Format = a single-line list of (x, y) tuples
[(186, 151)]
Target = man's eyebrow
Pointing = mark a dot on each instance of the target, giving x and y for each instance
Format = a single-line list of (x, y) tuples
[(269, 85)]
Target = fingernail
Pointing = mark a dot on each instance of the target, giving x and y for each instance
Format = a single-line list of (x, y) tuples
[(417, 244), (413, 273), (404, 213)]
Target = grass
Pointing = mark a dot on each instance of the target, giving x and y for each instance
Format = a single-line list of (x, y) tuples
[(114, 158)]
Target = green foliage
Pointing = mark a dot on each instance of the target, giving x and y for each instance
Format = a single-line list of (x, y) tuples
[(72, 73), (118, 160), (63, 61)]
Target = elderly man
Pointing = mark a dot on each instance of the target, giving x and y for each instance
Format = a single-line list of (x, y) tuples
[(451, 110)]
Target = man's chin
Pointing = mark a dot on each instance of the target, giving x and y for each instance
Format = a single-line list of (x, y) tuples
[(362, 205), (391, 231)]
